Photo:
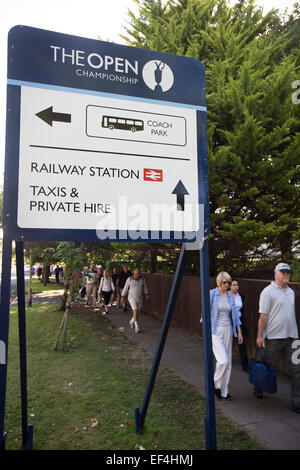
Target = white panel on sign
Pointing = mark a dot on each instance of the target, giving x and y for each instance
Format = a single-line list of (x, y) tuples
[(75, 172)]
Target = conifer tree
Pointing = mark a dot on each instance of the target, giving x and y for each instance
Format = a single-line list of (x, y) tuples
[(253, 126)]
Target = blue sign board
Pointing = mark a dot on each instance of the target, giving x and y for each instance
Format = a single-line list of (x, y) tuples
[(104, 141)]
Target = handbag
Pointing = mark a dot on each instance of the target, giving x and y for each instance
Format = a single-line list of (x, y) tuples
[(261, 374)]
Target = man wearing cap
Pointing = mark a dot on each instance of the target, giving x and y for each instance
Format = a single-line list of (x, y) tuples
[(277, 328), (90, 281)]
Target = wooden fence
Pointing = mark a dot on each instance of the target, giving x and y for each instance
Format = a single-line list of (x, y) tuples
[(188, 308)]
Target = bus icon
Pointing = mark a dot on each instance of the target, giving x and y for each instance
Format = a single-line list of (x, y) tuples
[(126, 124)]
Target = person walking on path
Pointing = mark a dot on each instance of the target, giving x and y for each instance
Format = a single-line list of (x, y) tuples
[(122, 278), (98, 280), (39, 271), (116, 291), (239, 302), (136, 288), (91, 288), (225, 322), (278, 331), (57, 272), (106, 288)]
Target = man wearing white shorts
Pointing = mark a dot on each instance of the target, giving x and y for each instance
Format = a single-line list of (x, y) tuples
[(91, 289), (136, 288)]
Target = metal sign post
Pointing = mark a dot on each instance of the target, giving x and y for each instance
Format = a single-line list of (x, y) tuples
[(27, 429), (141, 415), (210, 418), (4, 330), (83, 114)]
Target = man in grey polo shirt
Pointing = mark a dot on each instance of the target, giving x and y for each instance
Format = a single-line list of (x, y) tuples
[(277, 328)]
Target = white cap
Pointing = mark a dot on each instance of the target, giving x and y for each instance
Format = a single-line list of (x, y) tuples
[(282, 267), (99, 266)]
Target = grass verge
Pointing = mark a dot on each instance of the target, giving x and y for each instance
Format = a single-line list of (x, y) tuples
[(38, 287)]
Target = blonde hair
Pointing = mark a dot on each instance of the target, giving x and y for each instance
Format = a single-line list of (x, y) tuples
[(106, 273), (222, 275)]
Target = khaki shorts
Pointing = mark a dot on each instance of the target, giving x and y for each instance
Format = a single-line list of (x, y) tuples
[(135, 304)]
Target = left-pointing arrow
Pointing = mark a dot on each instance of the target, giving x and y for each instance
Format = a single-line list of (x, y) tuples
[(48, 116)]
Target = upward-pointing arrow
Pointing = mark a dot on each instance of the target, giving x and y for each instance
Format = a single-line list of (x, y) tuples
[(48, 116), (180, 191)]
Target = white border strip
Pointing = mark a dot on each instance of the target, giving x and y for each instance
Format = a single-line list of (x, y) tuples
[(105, 95)]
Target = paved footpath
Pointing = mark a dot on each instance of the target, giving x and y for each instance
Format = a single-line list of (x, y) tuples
[(46, 297), (269, 421)]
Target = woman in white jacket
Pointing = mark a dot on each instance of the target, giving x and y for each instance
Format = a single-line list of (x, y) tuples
[(106, 288)]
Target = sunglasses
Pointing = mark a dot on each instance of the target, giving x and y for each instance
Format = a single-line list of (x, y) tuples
[(226, 282)]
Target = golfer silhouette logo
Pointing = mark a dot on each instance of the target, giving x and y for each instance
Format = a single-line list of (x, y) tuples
[(158, 76)]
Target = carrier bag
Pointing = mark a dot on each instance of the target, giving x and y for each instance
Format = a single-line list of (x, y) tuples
[(261, 374)]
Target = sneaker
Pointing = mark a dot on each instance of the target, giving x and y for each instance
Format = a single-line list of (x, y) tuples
[(131, 323), (258, 393), (218, 393), (295, 410), (136, 328), (229, 397)]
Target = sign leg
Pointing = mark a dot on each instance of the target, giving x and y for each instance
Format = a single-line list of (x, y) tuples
[(4, 330), (210, 418), (26, 442), (141, 415)]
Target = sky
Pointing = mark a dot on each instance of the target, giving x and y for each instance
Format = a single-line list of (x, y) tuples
[(86, 18)]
